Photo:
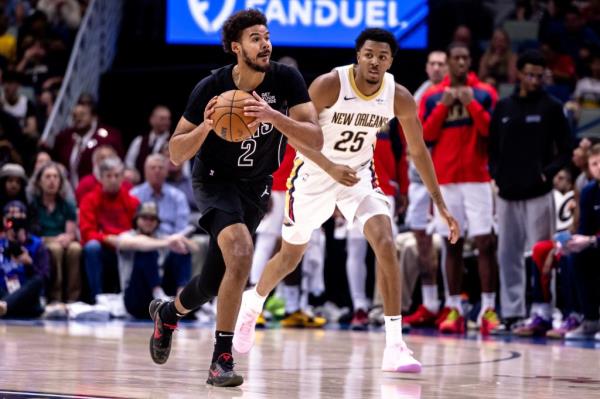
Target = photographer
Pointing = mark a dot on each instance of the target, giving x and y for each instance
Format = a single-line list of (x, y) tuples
[(23, 265), (151, 265)]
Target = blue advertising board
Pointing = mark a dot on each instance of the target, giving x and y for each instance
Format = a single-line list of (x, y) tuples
[(306, 23)]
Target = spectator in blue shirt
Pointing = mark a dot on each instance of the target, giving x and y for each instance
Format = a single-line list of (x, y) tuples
[(24, 265), (173, 208)]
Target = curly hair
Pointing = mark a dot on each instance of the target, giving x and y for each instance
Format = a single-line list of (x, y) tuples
[(236, 23), (377, 35)]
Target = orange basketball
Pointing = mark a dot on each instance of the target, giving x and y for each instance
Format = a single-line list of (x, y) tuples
[(230, 123)]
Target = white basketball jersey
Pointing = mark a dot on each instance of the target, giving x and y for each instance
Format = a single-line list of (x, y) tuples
[(350, 126)]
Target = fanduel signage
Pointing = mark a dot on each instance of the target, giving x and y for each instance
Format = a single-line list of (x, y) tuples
[(309, 23)]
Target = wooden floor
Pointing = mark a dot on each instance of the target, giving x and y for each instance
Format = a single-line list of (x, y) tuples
[(111, 360)]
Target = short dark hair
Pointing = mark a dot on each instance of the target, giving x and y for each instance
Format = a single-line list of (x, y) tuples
[(236, 23), (454, 45), (533, 57), (377, 35)]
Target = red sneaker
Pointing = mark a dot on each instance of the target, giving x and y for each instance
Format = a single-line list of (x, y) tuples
[(454, 323), (422, 317), (441, 316)]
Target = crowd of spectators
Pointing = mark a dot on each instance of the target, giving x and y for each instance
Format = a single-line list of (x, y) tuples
[(90, 214)]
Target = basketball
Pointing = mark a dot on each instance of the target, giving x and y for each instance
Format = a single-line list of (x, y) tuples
[(230, 123)]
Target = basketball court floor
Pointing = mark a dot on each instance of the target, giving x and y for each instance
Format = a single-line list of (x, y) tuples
[(44, 359)]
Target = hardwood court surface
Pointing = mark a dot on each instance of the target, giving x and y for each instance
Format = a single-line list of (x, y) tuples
[(111, 360)]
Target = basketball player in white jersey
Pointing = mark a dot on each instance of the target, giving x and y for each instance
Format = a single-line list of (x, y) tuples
[(353, 102)]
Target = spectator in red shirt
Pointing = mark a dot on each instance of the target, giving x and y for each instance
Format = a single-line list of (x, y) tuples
[(456, 117), (104, 213), (90, 182)]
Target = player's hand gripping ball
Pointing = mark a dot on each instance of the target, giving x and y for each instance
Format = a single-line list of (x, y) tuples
[(229, 121)]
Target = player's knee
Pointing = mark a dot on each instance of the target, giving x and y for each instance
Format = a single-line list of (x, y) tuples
[(385, 245), (288, 260)]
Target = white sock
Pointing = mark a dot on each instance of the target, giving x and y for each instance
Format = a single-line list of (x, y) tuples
[(393, 330), (159, 293), (455, 302), (255, 301), (430, 297), (544, 310), (488, 301), (291, 295), (356, 270)]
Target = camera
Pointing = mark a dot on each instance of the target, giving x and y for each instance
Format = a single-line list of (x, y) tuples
[(13, 249), (16, 224)]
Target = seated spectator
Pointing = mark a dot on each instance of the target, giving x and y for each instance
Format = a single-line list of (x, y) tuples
[(8, 154), (23, 265), (585, 251), (41, 158), (178, 179), (173, 208), (74, 146), (546, 256), (498, 64), (13, 181), (55, 220), (587, 90), (17, 105), (11, 135), (152, 142), (61, 13), (104, 213), (151, 265), (561, 65), (91, 182)]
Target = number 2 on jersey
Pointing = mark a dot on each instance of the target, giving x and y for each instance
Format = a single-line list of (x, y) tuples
[(351, 141), (249, 146)]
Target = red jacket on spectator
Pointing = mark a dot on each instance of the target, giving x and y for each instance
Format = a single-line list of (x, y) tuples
[(89, 183), (281, 175), (102, 214), (65, 141), (392, 173), (460, 153)]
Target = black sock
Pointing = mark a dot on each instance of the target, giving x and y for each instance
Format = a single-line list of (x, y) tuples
[(169, 314), (223, 344)]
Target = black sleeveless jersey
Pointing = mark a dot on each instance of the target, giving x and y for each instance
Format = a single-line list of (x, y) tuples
[(282, 88)]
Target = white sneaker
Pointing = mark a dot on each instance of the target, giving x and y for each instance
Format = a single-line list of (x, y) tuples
[(243, 336), (399, 358), (586, 330), (597, 336)]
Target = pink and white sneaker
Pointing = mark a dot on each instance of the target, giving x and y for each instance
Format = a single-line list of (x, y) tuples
[(398, 358), (243, 336)]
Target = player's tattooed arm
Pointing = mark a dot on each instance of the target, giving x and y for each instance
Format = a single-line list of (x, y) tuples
[(188, 137), (405, 110)]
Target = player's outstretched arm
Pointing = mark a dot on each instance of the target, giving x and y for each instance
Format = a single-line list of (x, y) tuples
[(405, 110), (188, 137)]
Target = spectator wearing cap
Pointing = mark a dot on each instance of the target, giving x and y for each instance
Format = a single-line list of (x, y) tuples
[(74, 146), (19, 106), (13, 181), (528, 144), (104, 213), (151, 265), (23, 265), (54, 218), (173, 207)]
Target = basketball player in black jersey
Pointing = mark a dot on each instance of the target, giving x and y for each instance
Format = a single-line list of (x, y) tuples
[(232, 181)]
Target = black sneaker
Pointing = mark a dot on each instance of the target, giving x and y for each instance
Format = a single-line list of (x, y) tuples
[(160, 341), (507, 326), (221, 373)]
